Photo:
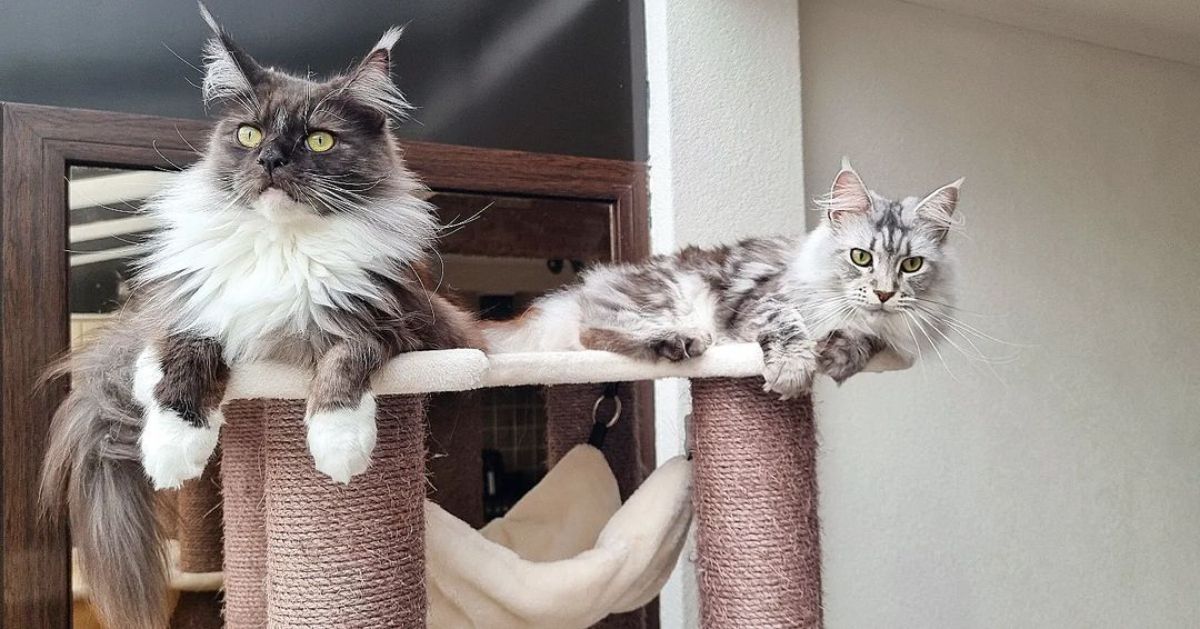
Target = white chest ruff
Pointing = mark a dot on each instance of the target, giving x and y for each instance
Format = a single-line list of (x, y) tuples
[(251, 281), (278, 290)]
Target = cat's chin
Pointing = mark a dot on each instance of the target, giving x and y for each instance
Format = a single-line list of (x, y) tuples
[(278, 205), (877, 313)]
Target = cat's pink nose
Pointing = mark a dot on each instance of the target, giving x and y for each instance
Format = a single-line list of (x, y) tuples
[(884, 295)]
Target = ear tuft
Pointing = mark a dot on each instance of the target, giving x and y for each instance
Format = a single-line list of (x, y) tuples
[(229, 73), (209, 19), (848, 196), (389, 39), (371, 82)]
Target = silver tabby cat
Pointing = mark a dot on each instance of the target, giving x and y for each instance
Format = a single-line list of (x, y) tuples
[(875, 274)]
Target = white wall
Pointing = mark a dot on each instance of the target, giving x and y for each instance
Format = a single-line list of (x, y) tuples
[(725, 155), (725, 134), (1065, 490)]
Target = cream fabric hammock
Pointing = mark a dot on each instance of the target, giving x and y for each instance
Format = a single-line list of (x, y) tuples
[(567, 554)]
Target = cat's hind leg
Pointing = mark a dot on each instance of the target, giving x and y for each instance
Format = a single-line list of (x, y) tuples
[(649, 314), (677, 345), (179, 382), (341, 409), (671, 344)]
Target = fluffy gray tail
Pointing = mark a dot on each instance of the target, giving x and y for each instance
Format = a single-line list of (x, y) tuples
[(93, 470)]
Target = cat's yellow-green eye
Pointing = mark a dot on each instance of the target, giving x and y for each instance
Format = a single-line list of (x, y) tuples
[(912, 265), (861, 257), (320, 141), (249, 136)]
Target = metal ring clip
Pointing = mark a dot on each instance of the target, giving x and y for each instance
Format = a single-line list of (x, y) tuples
[(616, 410)]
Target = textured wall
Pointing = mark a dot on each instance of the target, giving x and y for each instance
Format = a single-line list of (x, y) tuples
[(1064, 490), (725, 143)]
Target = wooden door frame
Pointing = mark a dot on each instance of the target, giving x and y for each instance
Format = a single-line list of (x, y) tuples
[(37, 146)]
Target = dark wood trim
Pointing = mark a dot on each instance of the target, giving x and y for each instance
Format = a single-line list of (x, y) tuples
[(452, 168), (33, 590), (36, 146), (525, 227)]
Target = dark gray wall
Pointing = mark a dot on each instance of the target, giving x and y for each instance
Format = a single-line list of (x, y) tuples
[(561, 76)]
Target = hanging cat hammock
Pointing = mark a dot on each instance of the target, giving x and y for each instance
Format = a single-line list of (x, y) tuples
[(567, 555)]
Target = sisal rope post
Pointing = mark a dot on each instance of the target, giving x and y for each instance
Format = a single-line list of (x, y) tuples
[(242, 480), (568, 424), (197, 610), (199, 534), (199, 527), (455, 444), (757, 534), (347, 556)]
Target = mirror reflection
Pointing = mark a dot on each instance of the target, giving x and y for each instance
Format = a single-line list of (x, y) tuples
[(496, 254)]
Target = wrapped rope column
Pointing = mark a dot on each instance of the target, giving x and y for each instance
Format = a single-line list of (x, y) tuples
[(454, 444), (242, 478), (347, 556), (199, 535), (757, 534), (199, 529)]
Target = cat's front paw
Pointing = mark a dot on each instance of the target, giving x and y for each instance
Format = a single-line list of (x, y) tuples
[(174, 448), (789, 371), (840, 356), (682, 345), (341, 440)]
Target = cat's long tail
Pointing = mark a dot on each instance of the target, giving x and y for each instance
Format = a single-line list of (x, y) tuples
[(552, 323), (93, 470)]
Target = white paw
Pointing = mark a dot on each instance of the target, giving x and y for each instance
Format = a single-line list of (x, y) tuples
[(173, 450), (341, 441), (789, 372)]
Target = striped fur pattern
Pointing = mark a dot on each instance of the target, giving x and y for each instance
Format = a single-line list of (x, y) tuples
[(265, 252), (822, 304)]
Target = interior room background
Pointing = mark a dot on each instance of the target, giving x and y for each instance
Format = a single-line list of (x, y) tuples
[(1059, 490)]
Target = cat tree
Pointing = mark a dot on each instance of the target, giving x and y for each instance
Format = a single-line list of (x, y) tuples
[(301, 551)]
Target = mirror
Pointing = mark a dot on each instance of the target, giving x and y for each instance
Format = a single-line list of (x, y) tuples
[(107, 228)]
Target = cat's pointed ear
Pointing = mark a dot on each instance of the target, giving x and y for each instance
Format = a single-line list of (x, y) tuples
[(937, 209), (370, 83), (230, 74), (848, 196)]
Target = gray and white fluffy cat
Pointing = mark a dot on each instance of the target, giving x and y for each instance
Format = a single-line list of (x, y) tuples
[(298, 236), (875, 274)]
